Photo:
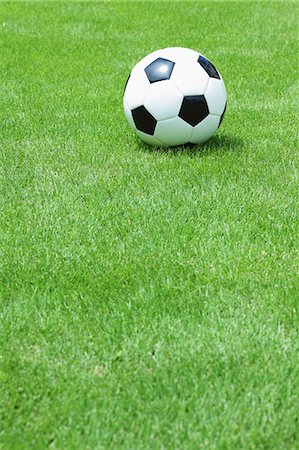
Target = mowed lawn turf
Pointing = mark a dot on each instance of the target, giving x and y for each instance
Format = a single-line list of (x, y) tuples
[(148, 297)]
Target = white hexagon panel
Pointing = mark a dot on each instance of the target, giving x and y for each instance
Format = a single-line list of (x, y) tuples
[(173, 131), (136, 88), (190, 78), (163, 100), (216, 96), (205, 129)]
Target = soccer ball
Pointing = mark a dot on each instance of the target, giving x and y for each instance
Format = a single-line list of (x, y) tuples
[(175, 96)]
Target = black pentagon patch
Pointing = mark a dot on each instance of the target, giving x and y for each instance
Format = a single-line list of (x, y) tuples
[(194, 109), (209, 67), (143, 120), (222, 115), (159, 70)]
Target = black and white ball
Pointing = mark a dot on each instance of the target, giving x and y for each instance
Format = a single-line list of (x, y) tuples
[(175, 96)]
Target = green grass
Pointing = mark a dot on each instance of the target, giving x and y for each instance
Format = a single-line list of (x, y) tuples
[(149, 298)]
